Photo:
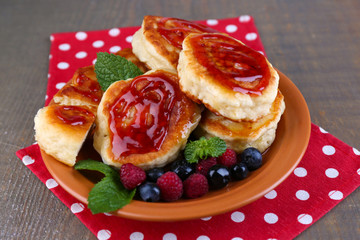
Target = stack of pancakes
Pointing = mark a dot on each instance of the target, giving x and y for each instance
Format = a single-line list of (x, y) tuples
[(147, 120)]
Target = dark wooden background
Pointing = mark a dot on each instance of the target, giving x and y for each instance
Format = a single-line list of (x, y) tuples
[(315, 43)]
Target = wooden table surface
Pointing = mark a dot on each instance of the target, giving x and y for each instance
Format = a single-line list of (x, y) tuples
[(315, 43)]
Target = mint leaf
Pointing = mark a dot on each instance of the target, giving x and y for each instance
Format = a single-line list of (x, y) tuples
[(110, 68), (109, 195), (96, 166), (204, 148)]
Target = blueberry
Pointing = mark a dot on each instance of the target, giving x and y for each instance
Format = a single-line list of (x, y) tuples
[(183, 169), (149, 192), (252, 158), (239, 171), (218, 176), (153, 174)]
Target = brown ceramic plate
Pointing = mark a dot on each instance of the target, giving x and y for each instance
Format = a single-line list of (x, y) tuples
[(285, 153)]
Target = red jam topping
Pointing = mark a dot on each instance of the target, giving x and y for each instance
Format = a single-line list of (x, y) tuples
[(73, 115), (233, 64), (175, 30), (139, 117)]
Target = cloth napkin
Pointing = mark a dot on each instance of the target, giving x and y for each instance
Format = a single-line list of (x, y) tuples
[(328, 172)]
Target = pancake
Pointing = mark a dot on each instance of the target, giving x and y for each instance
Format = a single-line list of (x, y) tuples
[(82, 89), (129, 55), (159, 40), (240, 135), (228, 77), (60, 130), (145, 121)]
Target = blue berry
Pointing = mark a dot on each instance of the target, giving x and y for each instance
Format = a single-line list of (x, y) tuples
[(183, 169), (153, 174), (252, 158), (239, 171), (149, 192), (218, 176)]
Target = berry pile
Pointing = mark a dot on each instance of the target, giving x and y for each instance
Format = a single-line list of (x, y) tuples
[(190, 180)]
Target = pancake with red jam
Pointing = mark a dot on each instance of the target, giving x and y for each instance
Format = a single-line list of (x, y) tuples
[(145, 121), (227, 76), (159, 40), (241, 135)]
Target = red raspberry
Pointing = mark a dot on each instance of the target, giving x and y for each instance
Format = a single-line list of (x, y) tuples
[(171, 186), (195, 186), (204, 165), (131, 176), (228, 158)]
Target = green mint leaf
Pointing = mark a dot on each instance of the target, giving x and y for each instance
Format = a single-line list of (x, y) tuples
[(109, 195), (204, 148), (96, 166), (110, 68)]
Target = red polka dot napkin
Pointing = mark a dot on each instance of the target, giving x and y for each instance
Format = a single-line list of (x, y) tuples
[(328, 172)]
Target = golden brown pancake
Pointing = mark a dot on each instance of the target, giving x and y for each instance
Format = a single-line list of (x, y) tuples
[(145, 121), (159, 40), (240, 135), (60, 130), (228, 77), (129, 55)]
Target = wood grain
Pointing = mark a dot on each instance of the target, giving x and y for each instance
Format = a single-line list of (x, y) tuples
[(315, 43)]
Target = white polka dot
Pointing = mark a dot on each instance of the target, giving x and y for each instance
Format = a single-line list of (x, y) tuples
[(302, 195), (60, 85), (52, 38), (81, 36), (46, 97), (50, 56), (169, 236), (237, 217), (261, 52), (244, 18), (129, 39), (94, 61), (251, 36), (206, 218), (212, 22), (49, 75), (107, 214), (64, 47), (27, 160), (103, 234), (98, 44), (300, 172), (357, 152), (203, 237), (51, 183), (304, 218), (237, 238), (328, 150), (271, 218), (77, 207), (358, 171), (114, 32), (115, 49), (322, 130), (231, 28), (271, 195), (81, 55), (63, 65), (136, 236), (331, 173), (271, 239), (336, 195)]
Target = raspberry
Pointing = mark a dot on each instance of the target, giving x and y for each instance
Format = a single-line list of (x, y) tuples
[(171, 186), (196, 186), (228, 158), (131, 176), (205, 164)]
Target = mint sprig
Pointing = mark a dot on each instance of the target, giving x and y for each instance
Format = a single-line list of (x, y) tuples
[(204, 148), (109, 194), (110, 68)]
